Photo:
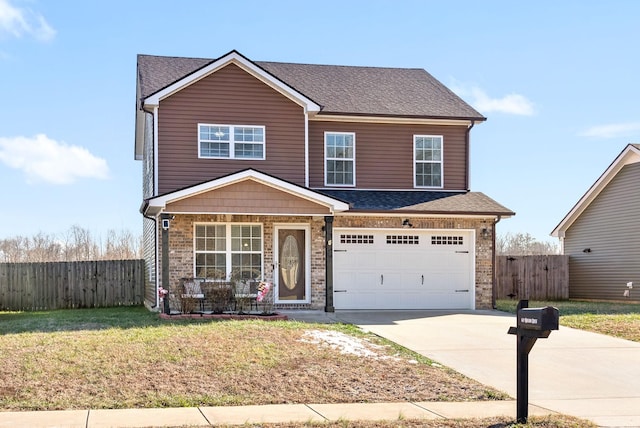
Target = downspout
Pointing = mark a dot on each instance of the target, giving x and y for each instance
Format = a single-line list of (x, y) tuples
[(493, 263), (467, 152), (306, 148)]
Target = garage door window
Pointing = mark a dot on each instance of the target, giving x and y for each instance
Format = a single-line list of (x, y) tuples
[(356, 239), (447, 240), (403, 239)]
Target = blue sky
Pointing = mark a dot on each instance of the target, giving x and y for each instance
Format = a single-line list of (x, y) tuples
[(557, 80)]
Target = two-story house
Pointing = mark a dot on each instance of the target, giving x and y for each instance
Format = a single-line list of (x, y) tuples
[(346, 187)]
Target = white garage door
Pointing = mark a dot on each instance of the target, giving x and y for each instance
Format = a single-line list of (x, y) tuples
[(401, 269)]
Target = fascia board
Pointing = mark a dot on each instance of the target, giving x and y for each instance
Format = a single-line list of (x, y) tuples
[(390, 119), (246, 65), (160, 202), (629, 155)]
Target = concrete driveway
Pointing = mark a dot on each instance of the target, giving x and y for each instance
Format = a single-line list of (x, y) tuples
[(573, 372)]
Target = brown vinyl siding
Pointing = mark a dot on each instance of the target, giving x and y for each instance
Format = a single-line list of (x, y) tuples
[(384, 153), (229, 96), (247, 197), (608, 227)]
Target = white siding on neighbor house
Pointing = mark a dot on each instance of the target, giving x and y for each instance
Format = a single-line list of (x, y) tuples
[(609, 229)]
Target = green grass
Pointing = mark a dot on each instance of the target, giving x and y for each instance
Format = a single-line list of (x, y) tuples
[(618, 319)]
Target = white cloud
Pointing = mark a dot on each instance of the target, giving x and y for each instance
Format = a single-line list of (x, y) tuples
[(44, 159), (510, 104), (613, 130), (17, 22)]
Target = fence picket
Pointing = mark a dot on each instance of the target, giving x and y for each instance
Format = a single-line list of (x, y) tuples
[(543, 277), (59, 285)]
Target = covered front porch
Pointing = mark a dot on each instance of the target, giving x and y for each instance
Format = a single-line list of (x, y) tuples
[(246, 229)]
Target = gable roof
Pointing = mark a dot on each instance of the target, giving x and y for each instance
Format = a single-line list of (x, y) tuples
[(630, 154), (345, 90), (157, 204), (423, 202)]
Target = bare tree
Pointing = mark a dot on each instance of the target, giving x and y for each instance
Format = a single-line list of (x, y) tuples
[(523, 244), (43, 248), (121, 245), (12, 250), (77, 244)]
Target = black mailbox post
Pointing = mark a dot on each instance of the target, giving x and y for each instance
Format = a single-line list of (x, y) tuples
[(533, 323)]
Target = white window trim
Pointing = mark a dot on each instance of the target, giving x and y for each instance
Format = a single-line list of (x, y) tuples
[(326, 158), (441, 162), (232, 142), (228, 252)]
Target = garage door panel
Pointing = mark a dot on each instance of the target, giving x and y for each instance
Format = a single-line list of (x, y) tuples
[(399, 270)]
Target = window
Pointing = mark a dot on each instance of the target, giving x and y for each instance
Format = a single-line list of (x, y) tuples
[(339, 154), (226, 250), (356, 239), (231, 141), (447, 240), (403, 239), (427, 154)]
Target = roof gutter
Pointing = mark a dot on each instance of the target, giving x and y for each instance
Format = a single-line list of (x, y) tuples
[(467, 153)]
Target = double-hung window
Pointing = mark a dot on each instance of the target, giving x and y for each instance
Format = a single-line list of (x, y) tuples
[(223, 251), (340, 161), (427, 157), (231, 141)]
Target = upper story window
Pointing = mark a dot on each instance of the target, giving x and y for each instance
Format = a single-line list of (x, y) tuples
[(427, 157), (340, 161), (231, 141)]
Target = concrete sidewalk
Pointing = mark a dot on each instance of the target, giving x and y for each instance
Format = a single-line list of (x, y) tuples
[(240, 415), (574, 372)]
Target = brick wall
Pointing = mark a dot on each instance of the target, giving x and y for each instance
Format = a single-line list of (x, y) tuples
[(182, 258)]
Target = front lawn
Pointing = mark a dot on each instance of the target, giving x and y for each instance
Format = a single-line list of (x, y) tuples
[(619, 319), (128, 357)]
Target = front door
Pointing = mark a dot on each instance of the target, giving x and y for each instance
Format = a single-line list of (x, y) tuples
[(292, 264)]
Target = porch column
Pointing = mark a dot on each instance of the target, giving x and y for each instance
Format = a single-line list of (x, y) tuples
[(328, 268), (165, 222)]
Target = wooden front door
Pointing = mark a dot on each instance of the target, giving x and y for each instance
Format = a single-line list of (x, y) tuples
[(291, 264)]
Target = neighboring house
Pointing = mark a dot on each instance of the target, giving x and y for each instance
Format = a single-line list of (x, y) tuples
[(601, 235), (346, 187)]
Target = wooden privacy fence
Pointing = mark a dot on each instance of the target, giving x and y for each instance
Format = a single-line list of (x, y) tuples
[(60, 285), (532, 277)]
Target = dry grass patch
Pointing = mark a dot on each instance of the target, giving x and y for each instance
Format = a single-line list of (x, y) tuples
[(126, 358)]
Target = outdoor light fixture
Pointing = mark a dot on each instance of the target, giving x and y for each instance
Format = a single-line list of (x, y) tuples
[(586, 250), (485, 232), (406, 223)]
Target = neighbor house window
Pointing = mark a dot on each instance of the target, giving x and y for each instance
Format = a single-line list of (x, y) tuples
[(223, 251), (231, 141), (339, 154), (427, 155)]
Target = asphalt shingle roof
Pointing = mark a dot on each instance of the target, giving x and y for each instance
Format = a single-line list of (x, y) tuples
[(419, 201), (378, 91)]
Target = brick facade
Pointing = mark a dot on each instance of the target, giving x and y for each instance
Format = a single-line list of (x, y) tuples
[(181, 251)]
